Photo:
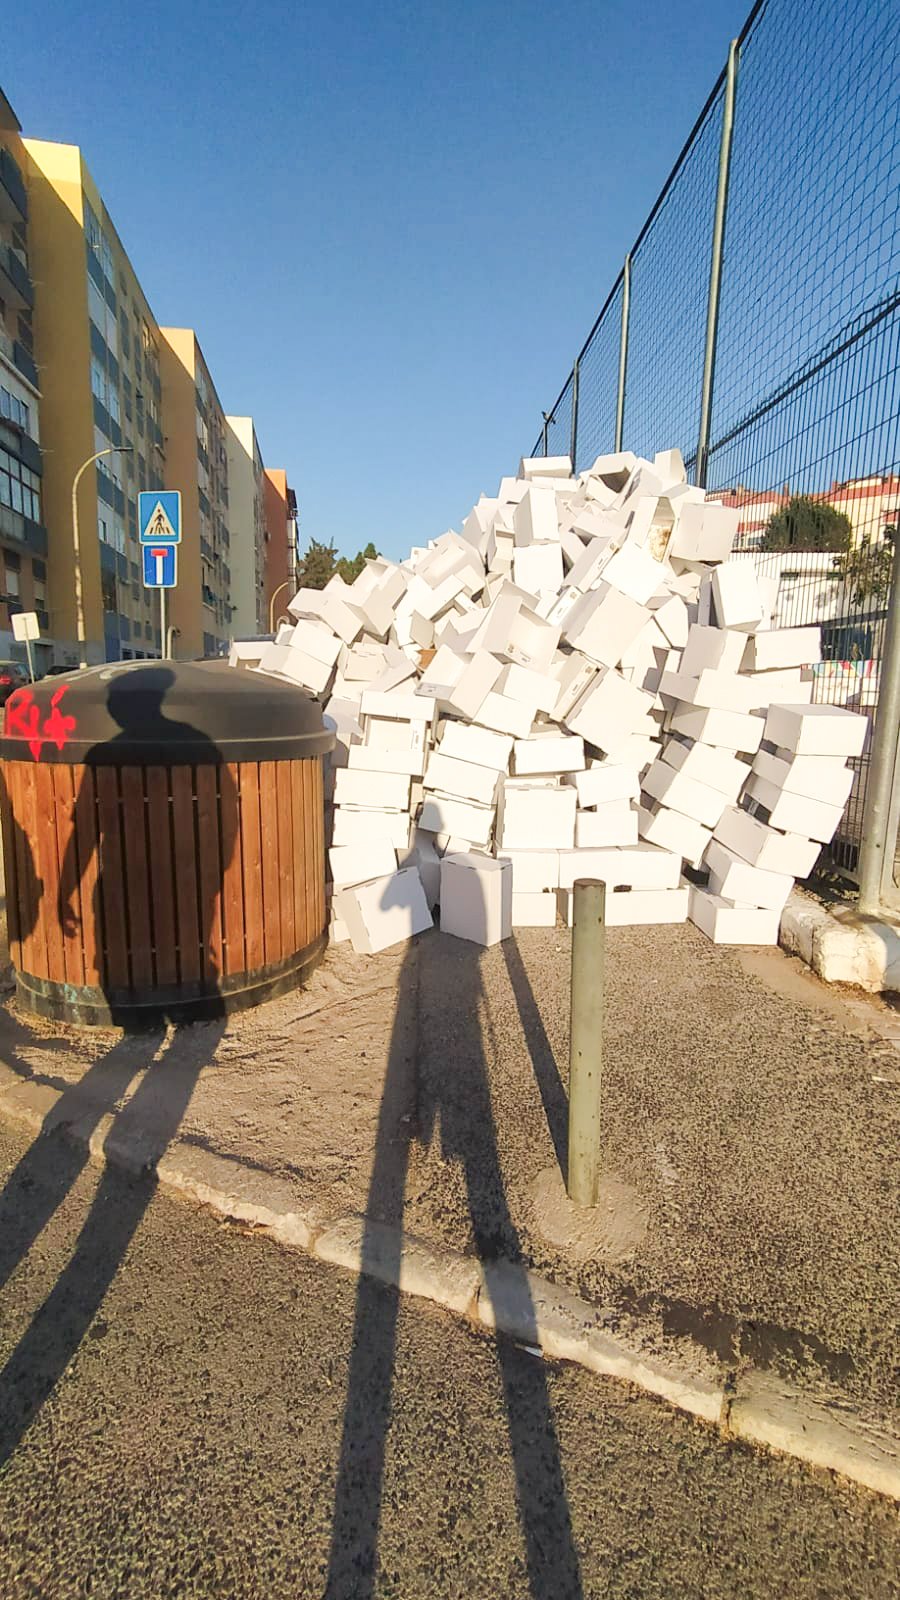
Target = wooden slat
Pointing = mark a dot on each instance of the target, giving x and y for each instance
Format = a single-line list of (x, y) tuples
[(268, 802), (233, 875), (187, 919), (309, 852), (162, 882), (210, 872), (137, 876), (88, 898), (287, 866), (31, 824), (26, 875), (8, 824), (300, 937), (112, 878), (48, 868), (64, 796), (318, 801), (252, 862)]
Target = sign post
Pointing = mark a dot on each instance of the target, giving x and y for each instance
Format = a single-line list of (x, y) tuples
[(159, 531), (25, 627)]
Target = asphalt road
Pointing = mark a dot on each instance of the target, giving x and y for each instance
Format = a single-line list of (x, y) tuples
[(186, 1410)]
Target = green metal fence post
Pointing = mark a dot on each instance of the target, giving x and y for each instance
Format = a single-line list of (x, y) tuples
[(715, 266), (573, 443), (586, 1039), (623, 351), (876, 852)]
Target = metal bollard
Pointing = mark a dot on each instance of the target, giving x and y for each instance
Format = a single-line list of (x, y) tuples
[(586, 1040)]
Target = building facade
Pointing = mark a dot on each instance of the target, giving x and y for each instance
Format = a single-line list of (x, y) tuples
[(97, 347), (281, 543), (23, 533), (200, 607), (247, 525)]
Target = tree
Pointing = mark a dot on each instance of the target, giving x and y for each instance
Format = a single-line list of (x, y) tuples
[(321, 561), (807, 524), (351, 567), (866, 569)]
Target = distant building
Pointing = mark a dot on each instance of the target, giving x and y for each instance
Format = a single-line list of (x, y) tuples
[(197, 459), (97, 347), (23, 535), (872, 504), (281, 541), (247, 525)]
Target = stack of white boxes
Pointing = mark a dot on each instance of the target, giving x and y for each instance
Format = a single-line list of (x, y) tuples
[(576, 684)]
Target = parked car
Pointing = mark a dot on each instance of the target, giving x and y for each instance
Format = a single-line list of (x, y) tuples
[(12, 676)]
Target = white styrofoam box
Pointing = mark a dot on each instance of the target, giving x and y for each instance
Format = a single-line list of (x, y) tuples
[(464, 819), (421, 630), (533, 871), (734, 879), (572, 547), (443, 671), (668, 466), (631, 908), (536, 910), (681, 793), (374, 610), (542, 467), (464, 780), (614, 469), (820, 777), (383, 912), (609, 712), (389, 733), (384, 791), (605, 781), (404, 707), (672, 619), (474, 684), (729, 730), (795, 684), (712, 690), (246, 652), (356, 825), (304, 670), (637, 751), (539, 568), (476, 898), (724, 923), (719, 768), (362, 665), (497, 711), (755, 842), (532, 815), (563, 605), (816, 730), (368, 758), (423, 855), (704, 532), (603, 623), (548, 752), (531, 641), (574, 673), (779, 648), (316, 641), (639, 866), (535, 518), (671, 830), (715, 649), (736, 596), (328, 605), (357, 863), (338, 932), (795, 813), (634, 572), (586, 571), (614, 823), (273, 657), (540, 690), (480, 745)]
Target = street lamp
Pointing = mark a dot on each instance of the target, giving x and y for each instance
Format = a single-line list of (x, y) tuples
[(80, 631), (289, 584)]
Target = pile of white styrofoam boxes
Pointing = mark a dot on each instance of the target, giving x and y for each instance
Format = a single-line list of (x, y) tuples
[(579, 683)]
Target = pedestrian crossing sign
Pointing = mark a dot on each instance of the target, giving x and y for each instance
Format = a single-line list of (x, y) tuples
[(159, 516)]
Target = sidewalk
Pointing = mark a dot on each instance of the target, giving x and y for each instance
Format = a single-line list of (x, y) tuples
[(751, 1119)]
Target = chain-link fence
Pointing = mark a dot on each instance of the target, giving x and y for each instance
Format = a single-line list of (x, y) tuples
[(756, 325)]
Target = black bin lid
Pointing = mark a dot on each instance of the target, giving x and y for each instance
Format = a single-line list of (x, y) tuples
[(162, 713)]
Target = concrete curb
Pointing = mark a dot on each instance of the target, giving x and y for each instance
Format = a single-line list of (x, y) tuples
[(841, 946), (499, 1296)]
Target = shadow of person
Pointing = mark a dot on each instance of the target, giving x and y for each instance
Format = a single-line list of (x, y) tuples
[(148, 1060), (441, 985)]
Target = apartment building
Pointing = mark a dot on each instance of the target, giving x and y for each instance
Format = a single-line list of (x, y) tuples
[(23, 533), (247, 526), (280, 504), (200, 608), (97, 347)]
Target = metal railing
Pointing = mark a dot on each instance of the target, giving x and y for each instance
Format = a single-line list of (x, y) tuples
[(756, 325)]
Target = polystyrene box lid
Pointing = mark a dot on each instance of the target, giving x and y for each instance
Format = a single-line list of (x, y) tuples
[(477, 863)]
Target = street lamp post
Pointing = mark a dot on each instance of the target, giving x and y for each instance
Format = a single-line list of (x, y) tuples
[(289, 584), (80, 630)]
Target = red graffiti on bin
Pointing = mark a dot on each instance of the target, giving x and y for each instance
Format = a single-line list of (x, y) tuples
[(23, 721)]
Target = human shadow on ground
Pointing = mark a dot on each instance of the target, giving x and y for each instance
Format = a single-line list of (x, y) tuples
[(437, 1048), (159, 1066)]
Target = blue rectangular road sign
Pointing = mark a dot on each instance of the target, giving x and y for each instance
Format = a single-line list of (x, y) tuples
[(159, 516), (160, 566)]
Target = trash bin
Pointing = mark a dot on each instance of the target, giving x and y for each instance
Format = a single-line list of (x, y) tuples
[(163, 841)]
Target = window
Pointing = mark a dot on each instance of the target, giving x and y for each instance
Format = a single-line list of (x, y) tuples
[(40, 594), (96, 307), (109, 591), (98, 381), (20, 488), (12, 582), (13, 409)]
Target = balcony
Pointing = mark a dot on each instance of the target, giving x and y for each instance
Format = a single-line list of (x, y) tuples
[(24, 360), (16, 529), (13, 196), (15, 284)]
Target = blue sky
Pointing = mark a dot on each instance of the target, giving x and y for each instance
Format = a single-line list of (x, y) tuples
[(391, 226)]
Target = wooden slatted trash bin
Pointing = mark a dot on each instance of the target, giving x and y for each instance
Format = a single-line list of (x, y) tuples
[(163, 840)]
